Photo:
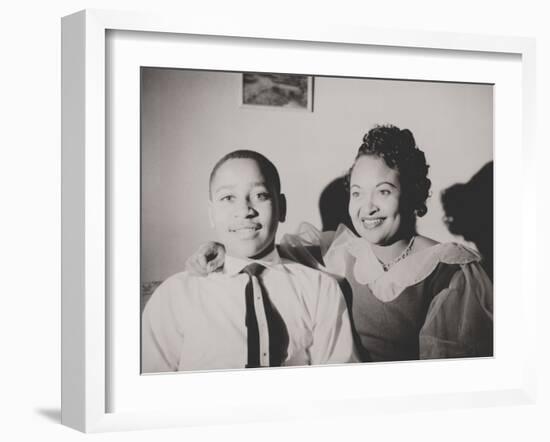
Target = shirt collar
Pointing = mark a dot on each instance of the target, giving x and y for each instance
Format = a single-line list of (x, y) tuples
[(234, 265)]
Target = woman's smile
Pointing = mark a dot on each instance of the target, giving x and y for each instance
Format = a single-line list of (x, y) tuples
[(372, 222)]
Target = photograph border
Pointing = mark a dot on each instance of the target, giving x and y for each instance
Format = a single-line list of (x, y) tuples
[(86, 203)]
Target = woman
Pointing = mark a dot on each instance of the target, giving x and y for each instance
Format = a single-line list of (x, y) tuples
[(410, 296)]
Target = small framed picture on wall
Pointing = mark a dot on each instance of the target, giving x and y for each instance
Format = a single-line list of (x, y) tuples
[(282, 91)]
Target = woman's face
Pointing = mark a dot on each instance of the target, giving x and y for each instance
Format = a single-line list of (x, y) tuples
[(374, 200)]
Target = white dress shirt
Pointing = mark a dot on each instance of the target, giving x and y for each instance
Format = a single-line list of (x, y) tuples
[(198, 322)]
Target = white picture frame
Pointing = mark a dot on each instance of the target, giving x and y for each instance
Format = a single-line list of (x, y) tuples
[(87, 207)]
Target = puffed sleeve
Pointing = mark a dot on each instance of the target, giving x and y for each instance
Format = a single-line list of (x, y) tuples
[(306, 246), (459, 322)]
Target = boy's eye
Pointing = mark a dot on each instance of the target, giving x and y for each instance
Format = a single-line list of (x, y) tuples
[(227, 198)]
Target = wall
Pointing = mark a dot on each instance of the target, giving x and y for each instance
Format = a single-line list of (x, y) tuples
[(192, 118)]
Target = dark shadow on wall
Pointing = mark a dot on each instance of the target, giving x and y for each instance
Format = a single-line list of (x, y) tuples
[(333, 205), (469, 212)]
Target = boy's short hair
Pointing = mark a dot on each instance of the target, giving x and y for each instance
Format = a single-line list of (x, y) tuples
[(267, 168)]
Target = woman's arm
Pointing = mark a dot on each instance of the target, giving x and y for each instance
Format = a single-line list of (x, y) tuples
[(459, 322), (307, 247)]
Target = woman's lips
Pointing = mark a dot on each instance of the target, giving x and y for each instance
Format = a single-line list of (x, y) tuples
[(371, 223)]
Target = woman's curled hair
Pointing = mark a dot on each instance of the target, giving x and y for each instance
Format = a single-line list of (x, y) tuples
[(399, 151)]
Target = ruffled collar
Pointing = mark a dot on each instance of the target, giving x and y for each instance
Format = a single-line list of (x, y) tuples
[(416, 267)]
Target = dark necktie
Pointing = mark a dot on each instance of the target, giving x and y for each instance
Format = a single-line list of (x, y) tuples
[(276, 329)]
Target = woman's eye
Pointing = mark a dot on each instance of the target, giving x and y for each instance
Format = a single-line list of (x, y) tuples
[(385, 192), (263, 196), (355, 194), (227, 198)]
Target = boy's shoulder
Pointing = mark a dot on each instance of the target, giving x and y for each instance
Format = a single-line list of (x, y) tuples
[(311, 275), (175, 280), (183, 290), (181, 284)]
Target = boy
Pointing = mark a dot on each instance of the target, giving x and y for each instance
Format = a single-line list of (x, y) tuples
[(260, 310)]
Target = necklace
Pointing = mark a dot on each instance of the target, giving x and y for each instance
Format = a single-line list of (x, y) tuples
[(404, 254)]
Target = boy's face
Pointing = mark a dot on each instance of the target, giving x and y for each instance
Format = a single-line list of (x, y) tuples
[(245, 209)]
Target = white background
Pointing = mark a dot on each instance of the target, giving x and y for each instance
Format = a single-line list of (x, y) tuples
[(30, 221)]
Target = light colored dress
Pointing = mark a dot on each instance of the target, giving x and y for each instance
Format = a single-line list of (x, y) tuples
[(435, 303)]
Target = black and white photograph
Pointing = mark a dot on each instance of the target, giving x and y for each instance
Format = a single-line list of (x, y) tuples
[(360, 231)]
